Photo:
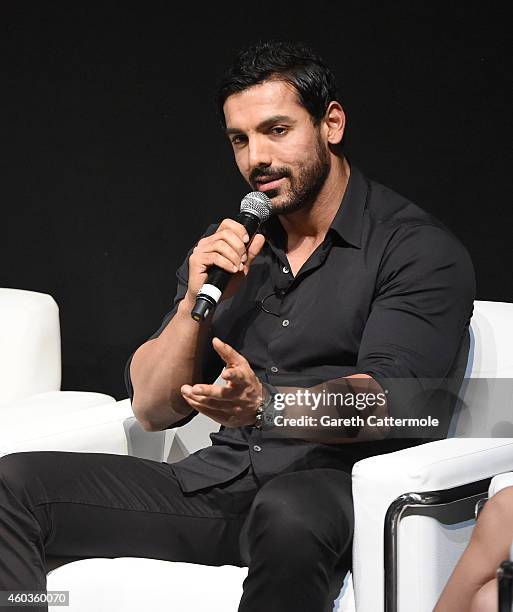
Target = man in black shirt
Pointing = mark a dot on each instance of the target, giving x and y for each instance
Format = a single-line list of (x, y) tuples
[(347, 287), (388, 293)]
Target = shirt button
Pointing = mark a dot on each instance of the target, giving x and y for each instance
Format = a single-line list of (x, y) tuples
[(274, 369), (285, 322), (286, 269), (257, 448)]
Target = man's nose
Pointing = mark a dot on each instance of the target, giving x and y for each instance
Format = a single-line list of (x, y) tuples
[(258, 153)]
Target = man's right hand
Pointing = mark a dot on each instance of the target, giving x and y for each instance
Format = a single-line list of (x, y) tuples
[(226, 248)]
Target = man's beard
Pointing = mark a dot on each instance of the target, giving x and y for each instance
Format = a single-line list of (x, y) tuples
[(304, 186)]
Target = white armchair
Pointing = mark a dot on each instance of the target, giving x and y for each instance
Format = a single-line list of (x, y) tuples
[(34, 413), (414, 509)]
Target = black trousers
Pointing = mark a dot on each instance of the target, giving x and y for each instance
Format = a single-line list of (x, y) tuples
[(294, 533)]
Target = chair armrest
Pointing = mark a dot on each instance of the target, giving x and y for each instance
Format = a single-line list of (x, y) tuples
[(499, 482), (141, 443), (189, 438), (379, 480), (72, 421)]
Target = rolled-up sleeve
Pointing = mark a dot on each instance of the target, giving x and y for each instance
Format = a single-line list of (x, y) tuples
[(422, 307), (415, 342)]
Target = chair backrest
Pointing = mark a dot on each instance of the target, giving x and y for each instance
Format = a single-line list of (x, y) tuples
[(30, 344), (486, 408)]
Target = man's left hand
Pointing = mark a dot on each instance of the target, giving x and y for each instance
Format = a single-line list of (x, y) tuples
[(234, 404)]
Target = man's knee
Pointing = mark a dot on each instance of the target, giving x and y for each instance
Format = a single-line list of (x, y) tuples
[(299, 494), (286, 515), (17, 473), (14, 467), (279, 505)]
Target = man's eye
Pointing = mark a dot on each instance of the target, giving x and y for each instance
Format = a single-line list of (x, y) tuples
[(236, 140), (279, 131)]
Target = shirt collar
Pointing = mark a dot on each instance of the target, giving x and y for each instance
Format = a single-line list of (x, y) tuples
[(348, 221)]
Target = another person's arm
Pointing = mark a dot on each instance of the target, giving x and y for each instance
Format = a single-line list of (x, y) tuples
[(472, 586)]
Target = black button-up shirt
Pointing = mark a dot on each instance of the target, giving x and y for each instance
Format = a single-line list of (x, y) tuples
[(389, 293)]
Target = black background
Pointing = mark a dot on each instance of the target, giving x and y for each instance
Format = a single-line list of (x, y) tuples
[(115, 162)]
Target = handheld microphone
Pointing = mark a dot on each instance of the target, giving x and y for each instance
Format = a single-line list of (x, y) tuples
[(255, 209)]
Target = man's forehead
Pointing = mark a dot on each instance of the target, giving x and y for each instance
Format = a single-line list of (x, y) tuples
[(261, 102)]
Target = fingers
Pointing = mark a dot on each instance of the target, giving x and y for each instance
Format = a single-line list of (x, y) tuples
[(221, 393), (236, 227), (234, 375), (255, 247), (208, 259), (253, 250), (235, 237), (221, 416), (227, 246), (200, 260), (223, 408), (224, 245), (222, 412), (228, 353)]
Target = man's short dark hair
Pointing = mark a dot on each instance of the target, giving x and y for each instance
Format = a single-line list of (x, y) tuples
[(290, 62)]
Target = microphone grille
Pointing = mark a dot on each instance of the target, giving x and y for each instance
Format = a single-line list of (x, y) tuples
[(257, 203)]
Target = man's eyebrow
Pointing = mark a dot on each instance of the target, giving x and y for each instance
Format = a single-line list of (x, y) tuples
[(264, 124)]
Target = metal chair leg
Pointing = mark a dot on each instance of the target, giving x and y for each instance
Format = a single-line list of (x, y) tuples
[(505, 579)]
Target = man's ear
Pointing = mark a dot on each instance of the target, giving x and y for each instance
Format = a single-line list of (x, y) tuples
[(335, 121)]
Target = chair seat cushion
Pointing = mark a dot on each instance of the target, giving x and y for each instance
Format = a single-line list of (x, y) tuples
[(134, 584)]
